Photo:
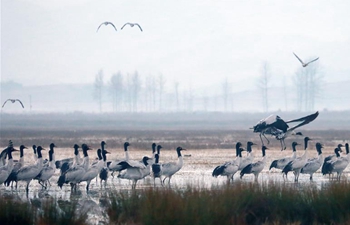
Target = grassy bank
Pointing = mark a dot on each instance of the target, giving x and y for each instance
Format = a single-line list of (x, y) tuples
[(47, 211), (240, 203)]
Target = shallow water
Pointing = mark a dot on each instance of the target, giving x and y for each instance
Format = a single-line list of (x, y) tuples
[(196, 171)]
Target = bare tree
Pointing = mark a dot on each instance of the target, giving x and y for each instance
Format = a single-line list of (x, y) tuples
[(308, 81), (98, 88), (315, 84), (176, 85), (205, 101), (215, 100), (161, 82), (226, 89), (264, 85), (285, 93), (190, 99), (148, 92), (135, 90), (187, 99), (116, 87), (151, 91), (128, 92), (300, 86)]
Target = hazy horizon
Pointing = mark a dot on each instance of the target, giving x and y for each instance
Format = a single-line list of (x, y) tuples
[(198, 44)]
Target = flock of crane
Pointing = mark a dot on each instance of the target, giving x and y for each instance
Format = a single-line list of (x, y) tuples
[(331, 164), (78, 169)]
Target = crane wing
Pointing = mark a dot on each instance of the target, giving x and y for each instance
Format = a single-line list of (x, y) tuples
[(124, 25), (313, 60), (5, 103), (305, 120), (138, 26), (298, 58), (20, 102)]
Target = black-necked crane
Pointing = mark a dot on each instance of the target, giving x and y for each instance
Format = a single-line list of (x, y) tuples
[(257, 167), (329, 158), (325, 167), (338, 164), (74, 174), (47, 171), (296, 164), (314, 164), (104, 171), (156, 170), (156, 166), (93, 171), (99, 154), (154, 151), (67, 163), (12, 177), (229, 169), (277, 127), (169, 169), (135, 171), (114, 165), (6, 169), (29, 172), (249, 158), (281, 163)]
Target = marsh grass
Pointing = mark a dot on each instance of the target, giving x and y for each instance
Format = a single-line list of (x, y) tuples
[(241, 203), (13, 211), (61, 213)]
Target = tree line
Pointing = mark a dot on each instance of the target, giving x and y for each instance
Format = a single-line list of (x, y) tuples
[(306, 83), (131, 92)]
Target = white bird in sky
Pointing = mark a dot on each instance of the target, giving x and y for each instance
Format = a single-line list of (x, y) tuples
[(305, 64), (13, 101), (131, 25), (106, 23)]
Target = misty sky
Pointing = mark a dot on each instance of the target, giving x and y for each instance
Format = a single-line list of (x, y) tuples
[(198, 42)]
